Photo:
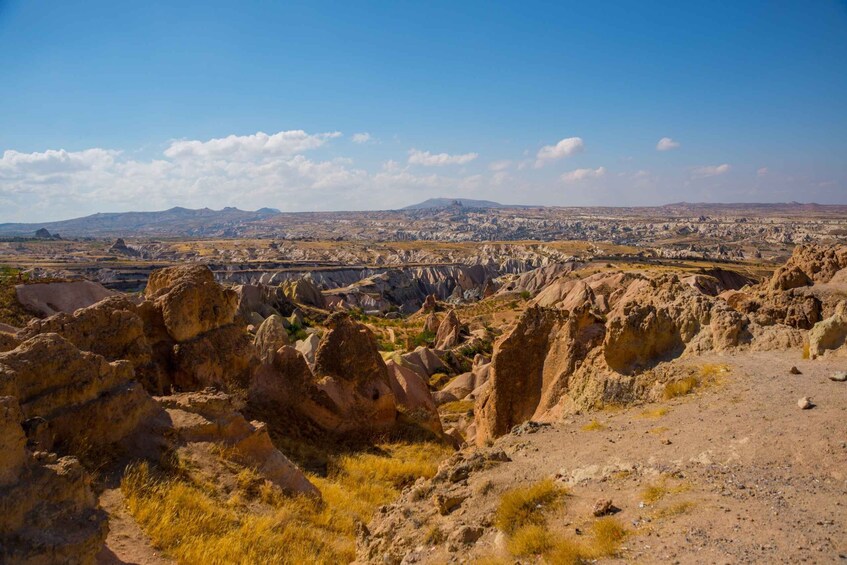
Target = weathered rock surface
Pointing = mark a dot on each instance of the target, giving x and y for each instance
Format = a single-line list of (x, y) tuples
[(829, 334), (414, 400), (190, 300), (83, 399), (48, 513), (50, 298), (209, 418), (270, 336), (449, 332), (304, 291)]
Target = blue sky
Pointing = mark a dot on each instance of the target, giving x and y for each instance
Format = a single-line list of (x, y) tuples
[(109, 106)]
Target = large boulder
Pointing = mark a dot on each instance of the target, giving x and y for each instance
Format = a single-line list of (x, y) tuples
[(82, 399), (829, 334), (270, 336), (808, 264), (47, 299), (190, 300)]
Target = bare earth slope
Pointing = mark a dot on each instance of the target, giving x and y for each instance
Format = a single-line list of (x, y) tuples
[(742, 474)]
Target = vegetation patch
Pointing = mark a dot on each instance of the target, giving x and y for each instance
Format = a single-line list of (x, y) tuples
[(594, 426), (654, 413), (457, 407), (194, 523), (526, 505), (532, 539)]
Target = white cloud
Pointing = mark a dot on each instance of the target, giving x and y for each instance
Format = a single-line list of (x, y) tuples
[(565, 148), (244, 171), (248, 147), (362, 137), (710, 171), (666, 144), (428, 159), (499, 165), (582, 174), (762, 171)]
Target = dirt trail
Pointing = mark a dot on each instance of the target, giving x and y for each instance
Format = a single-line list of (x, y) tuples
[(743, 475), (126, 543)]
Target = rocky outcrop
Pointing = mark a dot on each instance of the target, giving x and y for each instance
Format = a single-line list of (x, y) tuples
[(431, 323), (120, 248), (224, 358), (531, 367), (209, 418), (79, 398), (47, 299), (415, 404), (449, 332), (353, 378), (270, 336), (190, 301), (304, 291), (348, 392), (808, 264), (829, 334), (48, 512), (262, 300), (8, 341), (112, 328)]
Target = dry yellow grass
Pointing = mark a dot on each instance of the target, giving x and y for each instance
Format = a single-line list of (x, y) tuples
[(457, 407), (192, 524), (594, 426), (607, 535), (532, 539), (657, 491), (526, 505), (680, 387), (673, 510), (654, 413)]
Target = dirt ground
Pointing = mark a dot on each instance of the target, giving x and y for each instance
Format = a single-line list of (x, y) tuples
[(742, 474)]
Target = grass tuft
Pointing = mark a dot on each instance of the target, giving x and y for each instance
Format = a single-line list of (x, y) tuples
[(607, 535), (531, 539), (680, 387), (594, 426), (526, 505)]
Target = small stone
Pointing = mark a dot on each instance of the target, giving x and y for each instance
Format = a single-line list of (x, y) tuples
[(839, 376), (666, 441), (805, 403), (446, 503), (466, 535), (795, 371), (603, 507)]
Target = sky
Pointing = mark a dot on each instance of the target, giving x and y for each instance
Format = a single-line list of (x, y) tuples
[(113, 106)]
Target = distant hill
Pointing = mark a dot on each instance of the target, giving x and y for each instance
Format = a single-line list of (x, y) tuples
[(448, 202), (183, 221)]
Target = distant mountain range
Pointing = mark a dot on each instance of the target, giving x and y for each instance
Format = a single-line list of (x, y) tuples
[(450, 202), (269, 222), (175, 220)]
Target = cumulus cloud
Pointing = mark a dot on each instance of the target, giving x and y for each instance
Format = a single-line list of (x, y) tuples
[(565, 148), (248, 147), (362, 137), (499, 165), (710, 171), (428, 159), (246, 171), (666, 144), (583, 174)]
